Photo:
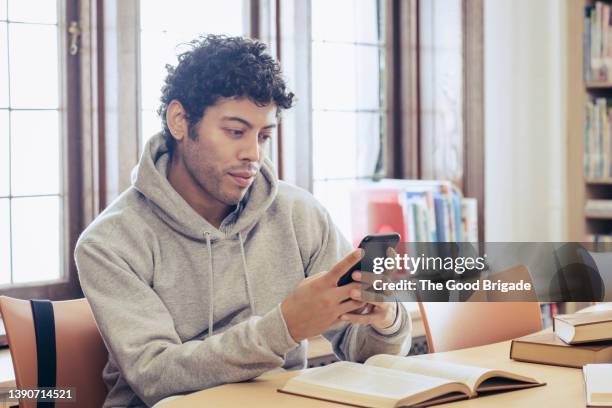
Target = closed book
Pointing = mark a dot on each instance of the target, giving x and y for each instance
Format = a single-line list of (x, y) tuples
[(547, 348), (597, 385), (584, 327)]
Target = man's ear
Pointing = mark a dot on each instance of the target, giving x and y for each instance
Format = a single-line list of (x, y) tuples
[(176, 119)]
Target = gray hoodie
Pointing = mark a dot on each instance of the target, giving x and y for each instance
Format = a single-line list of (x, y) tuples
[(183, 306)]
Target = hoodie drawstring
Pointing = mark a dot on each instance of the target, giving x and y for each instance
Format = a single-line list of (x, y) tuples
[(211, 283), (211, 294), (246, 275)]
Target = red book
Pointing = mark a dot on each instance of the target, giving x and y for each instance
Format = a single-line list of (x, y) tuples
[(376, 211)]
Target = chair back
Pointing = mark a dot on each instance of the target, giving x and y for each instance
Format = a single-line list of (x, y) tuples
[(452, 326), (80, 352)]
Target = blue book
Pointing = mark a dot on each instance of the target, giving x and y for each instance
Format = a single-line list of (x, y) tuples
[(586, 60), (457, 214), (440, 216)]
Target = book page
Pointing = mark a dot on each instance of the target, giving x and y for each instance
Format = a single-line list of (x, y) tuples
[(339, 381), (468, 375), (476, 378)]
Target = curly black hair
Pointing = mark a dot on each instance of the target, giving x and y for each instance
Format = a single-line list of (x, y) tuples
[(218, 66)]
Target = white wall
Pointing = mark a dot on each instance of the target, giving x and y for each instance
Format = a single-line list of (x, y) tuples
[(525, 120)]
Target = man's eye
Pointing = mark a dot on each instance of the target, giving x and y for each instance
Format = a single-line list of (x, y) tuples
[(235, 132), (264, 137)]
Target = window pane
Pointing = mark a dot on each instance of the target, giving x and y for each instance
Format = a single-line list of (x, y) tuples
[(447, 23), (345, 76), (2, 9), (359, 21), (207, 16), (345, 144), (367, 19), (326, 23), (33, 11), (3, 67), (35, 153), (4, 153), (334, 145), (333, 76), (33, 47), (368, 143), (335, 195), (36, 239), (5, 245), (368, 77)]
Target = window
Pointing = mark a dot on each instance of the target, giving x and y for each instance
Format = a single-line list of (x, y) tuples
[(162, 31), (348, 112), (32, 192)]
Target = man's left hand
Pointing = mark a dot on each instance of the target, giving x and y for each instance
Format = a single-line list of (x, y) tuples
[(382, 314)]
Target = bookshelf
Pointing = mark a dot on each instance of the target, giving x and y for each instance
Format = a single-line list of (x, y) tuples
[(582, 186)]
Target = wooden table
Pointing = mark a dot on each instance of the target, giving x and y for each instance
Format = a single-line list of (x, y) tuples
[(564, 385)]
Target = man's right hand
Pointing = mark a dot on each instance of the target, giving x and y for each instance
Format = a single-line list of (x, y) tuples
[(317, 303)]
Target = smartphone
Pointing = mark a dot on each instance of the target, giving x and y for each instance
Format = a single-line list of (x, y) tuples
[(375, 246)]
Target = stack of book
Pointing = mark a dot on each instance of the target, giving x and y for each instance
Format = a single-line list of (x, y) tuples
[(597, 132), (597, 42), (420, 211), (578, 339)]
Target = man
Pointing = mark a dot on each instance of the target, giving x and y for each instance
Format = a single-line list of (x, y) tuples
[(206, 270)]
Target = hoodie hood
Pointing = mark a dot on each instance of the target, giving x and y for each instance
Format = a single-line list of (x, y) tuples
[(150, 179)]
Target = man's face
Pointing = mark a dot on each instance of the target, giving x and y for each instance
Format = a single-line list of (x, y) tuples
[(225, 149)]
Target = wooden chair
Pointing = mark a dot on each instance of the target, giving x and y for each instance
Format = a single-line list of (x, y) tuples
[(80, 351), (456, 325)]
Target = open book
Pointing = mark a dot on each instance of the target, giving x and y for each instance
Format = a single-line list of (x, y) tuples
[(393, 381)]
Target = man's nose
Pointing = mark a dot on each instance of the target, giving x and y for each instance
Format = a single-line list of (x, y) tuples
[(251, 149)]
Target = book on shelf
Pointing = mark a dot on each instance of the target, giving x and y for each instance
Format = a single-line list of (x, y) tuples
[(375, 210), (587, 327), (597, 134), (597, 42), (596, 238), (597, 385), (598, 206), (548, 348), (469, 219), (548, 310), (393, 381), (420, 211)]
